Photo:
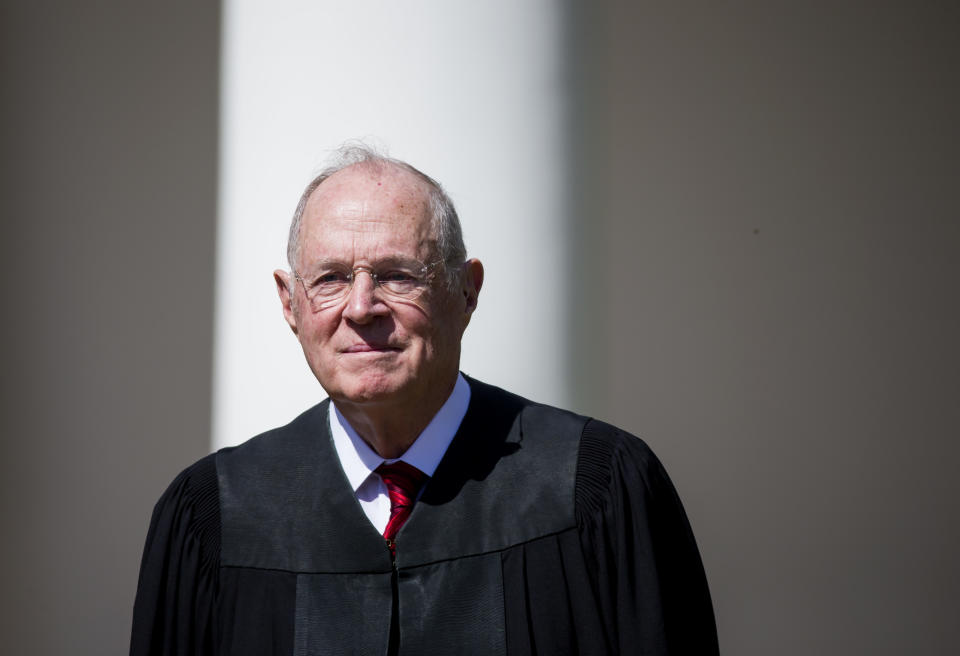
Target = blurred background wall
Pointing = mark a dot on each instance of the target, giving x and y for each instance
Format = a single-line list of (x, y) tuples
[(768, 196), (760, 236), (109, 160)]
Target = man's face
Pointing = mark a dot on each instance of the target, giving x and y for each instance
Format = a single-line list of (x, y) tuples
[(369, 348)]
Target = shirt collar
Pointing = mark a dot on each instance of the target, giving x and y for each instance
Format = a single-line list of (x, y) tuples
[(359, 460)]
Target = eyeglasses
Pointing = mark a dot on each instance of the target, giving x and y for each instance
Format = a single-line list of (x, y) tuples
[(399, 282)]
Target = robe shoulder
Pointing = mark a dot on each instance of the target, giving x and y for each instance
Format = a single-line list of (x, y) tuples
[(645, 565), (173, 609)]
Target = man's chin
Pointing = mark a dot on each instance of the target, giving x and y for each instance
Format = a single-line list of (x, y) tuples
[(369, 390)]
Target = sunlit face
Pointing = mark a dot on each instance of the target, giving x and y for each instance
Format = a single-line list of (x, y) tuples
[(370, 348)]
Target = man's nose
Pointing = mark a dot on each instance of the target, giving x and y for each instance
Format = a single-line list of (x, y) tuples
[(363, 302)]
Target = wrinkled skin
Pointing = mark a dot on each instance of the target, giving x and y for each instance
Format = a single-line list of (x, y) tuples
[(387, 364)]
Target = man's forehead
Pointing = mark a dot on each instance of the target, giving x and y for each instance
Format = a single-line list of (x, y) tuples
[(362, 185), (381, 208)]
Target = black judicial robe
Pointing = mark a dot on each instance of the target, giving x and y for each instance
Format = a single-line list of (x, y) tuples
[(541, 532)]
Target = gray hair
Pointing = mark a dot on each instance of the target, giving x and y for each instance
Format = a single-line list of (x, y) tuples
[(444, 220)]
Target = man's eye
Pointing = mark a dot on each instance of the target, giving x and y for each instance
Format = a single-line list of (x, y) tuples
[(397, 276), (331, 278)]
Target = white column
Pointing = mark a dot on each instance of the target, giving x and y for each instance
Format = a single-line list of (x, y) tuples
[(471, 93)]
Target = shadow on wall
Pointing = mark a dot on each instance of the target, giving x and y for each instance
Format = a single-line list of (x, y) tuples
[(109, 131), (766, 220)]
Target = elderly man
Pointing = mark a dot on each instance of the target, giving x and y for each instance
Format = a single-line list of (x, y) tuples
[(416, 511)]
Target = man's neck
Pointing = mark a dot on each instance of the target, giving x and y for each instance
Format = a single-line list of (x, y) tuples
[(390, 428)]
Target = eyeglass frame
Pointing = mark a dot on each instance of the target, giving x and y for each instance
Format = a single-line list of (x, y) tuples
[(425, 279)]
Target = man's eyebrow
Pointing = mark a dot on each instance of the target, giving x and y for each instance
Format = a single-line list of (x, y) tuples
[(328, 263)]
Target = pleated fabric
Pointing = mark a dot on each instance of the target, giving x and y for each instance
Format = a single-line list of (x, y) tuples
[(177, 591)]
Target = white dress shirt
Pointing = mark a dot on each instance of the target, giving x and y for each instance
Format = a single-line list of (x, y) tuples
[(359, 461)]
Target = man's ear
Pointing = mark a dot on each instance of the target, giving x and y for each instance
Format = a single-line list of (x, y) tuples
[(286, 290), (472, 282)]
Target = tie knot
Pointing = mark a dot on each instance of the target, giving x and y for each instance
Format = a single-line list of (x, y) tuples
[(402, 480)]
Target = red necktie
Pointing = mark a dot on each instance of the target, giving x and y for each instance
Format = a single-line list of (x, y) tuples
[(403, 481)]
